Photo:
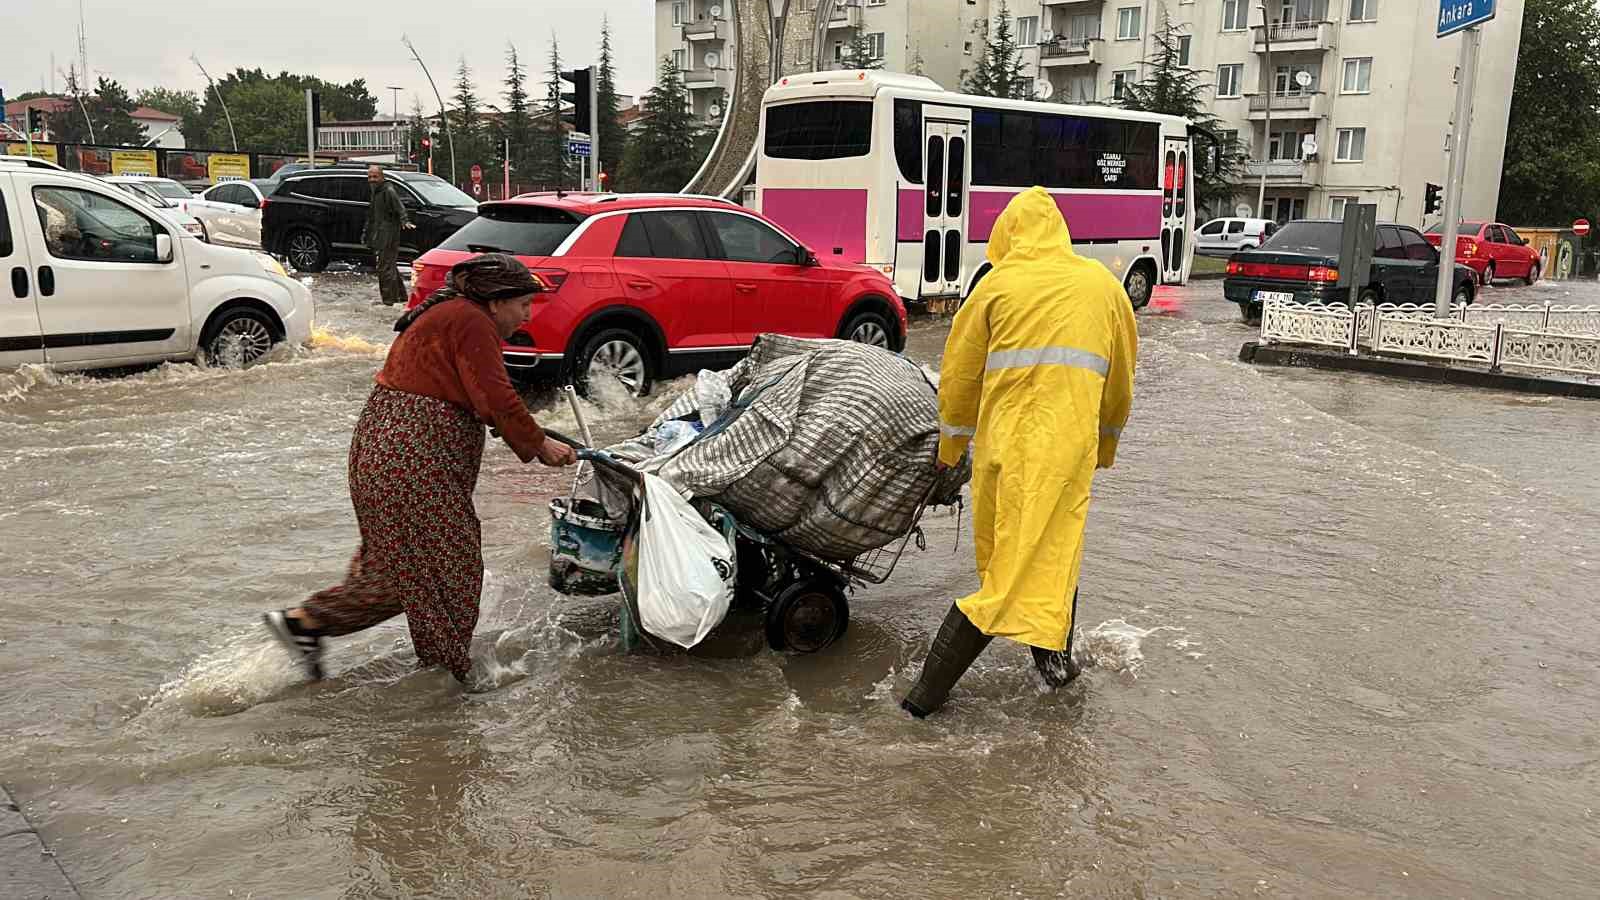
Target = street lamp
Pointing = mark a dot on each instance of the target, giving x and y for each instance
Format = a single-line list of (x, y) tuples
[(1266, 142), (231, 135), (446, 119), (394, 124)]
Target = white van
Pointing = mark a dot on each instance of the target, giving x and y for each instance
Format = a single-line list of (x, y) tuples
[(1225, 237), (98, 280)]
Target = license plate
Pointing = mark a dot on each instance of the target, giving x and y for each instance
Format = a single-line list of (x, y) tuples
[(1268, 296)]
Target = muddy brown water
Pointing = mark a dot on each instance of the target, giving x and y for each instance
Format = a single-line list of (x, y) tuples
[(1341, 635)]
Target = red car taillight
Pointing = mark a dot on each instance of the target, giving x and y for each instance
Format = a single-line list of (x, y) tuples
[(552, 279), (1281, 272)]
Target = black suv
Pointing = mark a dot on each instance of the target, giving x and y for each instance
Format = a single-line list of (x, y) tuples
[(1301, 263), (317, 216)]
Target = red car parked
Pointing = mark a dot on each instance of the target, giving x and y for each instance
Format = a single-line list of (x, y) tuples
[(652, 286), (1493, 251)]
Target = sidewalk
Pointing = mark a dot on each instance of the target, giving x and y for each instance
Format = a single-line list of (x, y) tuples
[(28, 871), (1330, 358)]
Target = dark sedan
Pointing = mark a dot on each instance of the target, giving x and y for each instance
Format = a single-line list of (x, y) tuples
[(1301, 263)]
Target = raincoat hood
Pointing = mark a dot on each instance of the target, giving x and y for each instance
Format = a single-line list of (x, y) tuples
[(1030, 228)]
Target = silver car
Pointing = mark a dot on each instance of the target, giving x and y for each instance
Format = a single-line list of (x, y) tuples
[(237, 208), (135, 186)]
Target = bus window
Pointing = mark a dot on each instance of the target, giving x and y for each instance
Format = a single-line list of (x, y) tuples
[(908, 139), (829, 129)]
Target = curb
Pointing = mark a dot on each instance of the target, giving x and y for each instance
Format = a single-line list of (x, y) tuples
[(1317, 358), (28, 871)]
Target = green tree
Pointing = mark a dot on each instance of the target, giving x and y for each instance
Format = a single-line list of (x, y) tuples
[(858, 52), (111, 110), (474, 143), (183, 104), (613, 137), (1000, 70), (661, 154), (1551, 173), (339, 102), (1173, 89), (550, 169), (516, 128)]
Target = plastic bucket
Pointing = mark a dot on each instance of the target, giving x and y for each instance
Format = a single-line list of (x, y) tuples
[(585, 548)]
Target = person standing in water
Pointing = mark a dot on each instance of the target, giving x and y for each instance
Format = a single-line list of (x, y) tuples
[(386, 218), (1038, 376), (414, 463)]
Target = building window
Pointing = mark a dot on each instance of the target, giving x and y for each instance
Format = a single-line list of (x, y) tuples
[(1027, 30), (1287, 145), (1081, 89), (838, 53), (1336, 206), (1358, 76), (1083, 28), (1352, 145), (966, 48), (1286, 82), (1363, 10), (876, 2), (875, 45), (1235, 15), (680, 60), (680, 13), (1184, 43), (1230, 80), (1119, 83), (1128, 23)]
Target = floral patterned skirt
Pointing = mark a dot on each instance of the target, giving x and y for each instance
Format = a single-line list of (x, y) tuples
[(413, 466)]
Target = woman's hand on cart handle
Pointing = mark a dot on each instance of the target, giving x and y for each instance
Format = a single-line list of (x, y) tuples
[(556, 454)]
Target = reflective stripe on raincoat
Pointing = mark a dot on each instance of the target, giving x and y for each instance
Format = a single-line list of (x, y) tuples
[(1038, 376)]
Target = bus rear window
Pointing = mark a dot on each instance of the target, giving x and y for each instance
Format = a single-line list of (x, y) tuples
[(828, 129)]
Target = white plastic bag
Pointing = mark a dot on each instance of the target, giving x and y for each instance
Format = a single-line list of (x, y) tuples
[(673, 436), (686, 568), (712, 395)]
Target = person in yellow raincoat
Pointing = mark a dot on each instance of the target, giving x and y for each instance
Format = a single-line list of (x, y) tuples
[(1038, 377)]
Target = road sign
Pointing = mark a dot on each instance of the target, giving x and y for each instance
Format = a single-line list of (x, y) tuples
[(1457, 15), (578, 148), (1580, 227), (477, 174)]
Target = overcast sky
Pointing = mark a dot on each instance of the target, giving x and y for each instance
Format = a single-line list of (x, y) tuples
[(148, 44)]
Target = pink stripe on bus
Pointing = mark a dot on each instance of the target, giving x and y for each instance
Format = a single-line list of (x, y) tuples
[(832, 222), (908, 216)]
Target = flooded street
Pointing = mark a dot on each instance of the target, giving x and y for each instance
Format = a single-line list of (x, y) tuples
[(1341, 632)]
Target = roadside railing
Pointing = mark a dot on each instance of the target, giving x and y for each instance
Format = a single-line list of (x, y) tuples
[(1564, 339)]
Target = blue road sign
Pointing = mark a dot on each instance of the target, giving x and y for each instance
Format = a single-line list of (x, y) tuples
[(578, 148), (1459, 15)]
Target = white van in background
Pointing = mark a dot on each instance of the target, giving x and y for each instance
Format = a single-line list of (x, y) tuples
[(94, 279), (1225, 237)]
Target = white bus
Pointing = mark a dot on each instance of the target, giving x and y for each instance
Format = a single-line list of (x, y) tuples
[(894, 172)]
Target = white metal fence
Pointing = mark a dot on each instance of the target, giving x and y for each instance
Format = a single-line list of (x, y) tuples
[(1564, 339)]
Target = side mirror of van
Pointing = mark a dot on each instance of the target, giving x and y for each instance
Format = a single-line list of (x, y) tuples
[(163, 247)]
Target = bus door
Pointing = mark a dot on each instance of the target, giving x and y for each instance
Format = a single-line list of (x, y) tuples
[(948, 166), (1174, 210)]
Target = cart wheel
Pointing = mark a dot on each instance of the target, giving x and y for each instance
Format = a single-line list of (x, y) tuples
[(807, 616)]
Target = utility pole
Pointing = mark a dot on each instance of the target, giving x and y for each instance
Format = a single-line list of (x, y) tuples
[(594, 129), (195, 58), (1466, 85), (394, 125), (446, 119), (1266, 141)]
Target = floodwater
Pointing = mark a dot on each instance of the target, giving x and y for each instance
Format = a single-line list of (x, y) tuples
[(1341, 637)]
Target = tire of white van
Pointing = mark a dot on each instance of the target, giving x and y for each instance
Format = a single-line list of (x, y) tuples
[(1140, 284), (306, 250), (238, 338)]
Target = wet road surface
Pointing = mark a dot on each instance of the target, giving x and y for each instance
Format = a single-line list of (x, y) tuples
[(1340, 629)]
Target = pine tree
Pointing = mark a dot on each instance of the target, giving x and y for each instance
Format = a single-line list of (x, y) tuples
[(516, 123), (549, 166), (1000, 71), (661, 155), (1174, 89), (466, 125), (109, 108), (858, 52), (613, 138)]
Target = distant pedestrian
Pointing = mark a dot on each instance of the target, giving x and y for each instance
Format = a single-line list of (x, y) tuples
[(386, 218), (1038, 377), (414, 463)]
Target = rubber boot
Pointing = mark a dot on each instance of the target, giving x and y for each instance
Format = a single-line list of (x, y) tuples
[(1057, 666), (958, 643)]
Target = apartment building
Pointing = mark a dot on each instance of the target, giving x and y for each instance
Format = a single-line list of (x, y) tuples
[(1361, 92)]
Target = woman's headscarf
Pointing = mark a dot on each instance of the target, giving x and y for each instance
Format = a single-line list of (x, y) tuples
[(491, 276)]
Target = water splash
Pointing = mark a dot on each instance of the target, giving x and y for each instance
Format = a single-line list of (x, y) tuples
[(1117, 646), (247, 669), (324, 339), (16, 384)]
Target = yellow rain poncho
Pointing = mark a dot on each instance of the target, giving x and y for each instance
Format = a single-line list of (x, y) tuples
[(1038, 375)]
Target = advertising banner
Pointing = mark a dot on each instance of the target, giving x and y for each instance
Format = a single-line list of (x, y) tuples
[(91, 160), (228, 167), (42, 151), (133, 162)]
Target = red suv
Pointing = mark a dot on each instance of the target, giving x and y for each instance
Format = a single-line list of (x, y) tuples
[(1493, 251), (649, 287)]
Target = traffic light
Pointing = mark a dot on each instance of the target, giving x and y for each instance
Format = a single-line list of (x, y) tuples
[(1432, 201), (35, 120), (581, 98), (427, 143)]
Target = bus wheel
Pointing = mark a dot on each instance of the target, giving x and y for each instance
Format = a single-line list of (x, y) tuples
[(1141, 282)]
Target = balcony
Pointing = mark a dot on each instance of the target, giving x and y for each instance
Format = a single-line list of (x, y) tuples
[(845, 17), (1278, 171), (1061, 53), (1302, 105), (1290, 37), (702, 79), (1081, 5), (707, 29)]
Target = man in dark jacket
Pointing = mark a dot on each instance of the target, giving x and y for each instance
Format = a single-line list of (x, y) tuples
[(386, 217)]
